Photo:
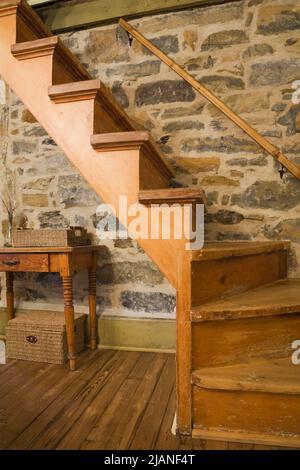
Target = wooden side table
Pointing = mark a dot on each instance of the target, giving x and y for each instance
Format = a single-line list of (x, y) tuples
[(65, 261)]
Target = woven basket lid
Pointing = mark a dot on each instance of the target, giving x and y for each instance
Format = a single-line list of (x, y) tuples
[(54, 321)]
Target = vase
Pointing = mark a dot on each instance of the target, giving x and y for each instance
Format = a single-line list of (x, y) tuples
[(8, 238)]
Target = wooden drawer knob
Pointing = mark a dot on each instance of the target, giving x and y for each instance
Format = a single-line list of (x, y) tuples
[(10, 263)]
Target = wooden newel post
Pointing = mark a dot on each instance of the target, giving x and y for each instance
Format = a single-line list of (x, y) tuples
[(10, 295), (69, 316)]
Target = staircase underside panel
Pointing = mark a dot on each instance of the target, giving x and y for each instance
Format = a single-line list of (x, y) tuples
[(71, 126)]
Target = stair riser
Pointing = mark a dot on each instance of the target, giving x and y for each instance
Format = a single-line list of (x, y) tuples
[(62, 69), (153, 172), (213, 279), (25, 24), (151, 177), (252, 412), (26, 30), (103, 122), (232, 341), (62, 72)]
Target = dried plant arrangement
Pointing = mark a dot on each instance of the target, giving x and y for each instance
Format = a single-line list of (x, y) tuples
[(9, 201)]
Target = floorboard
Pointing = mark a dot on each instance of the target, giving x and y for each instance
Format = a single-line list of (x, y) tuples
[(114, 400)]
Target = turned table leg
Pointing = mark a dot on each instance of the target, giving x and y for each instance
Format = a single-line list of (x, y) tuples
[(92, 308), (10, 295), (69, 316)]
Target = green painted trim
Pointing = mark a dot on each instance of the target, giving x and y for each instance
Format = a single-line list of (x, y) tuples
[(137, 334), (3, 322), (38, 2), (62, 16), (132, 334), (133, 348)]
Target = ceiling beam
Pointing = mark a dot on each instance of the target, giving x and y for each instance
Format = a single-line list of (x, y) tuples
[(67, 15)]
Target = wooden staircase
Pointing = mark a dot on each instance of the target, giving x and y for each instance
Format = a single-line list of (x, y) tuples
[(237, 313)]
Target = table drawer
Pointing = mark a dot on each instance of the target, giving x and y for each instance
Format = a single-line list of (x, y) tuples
[(24, 262)]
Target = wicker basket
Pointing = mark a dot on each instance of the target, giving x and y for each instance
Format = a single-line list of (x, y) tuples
[(74, 236), (41, 337)]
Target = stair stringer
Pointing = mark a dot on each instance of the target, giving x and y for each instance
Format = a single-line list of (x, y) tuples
[(71, 125)]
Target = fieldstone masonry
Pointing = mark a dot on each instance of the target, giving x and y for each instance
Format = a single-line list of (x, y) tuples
[(247, 52)]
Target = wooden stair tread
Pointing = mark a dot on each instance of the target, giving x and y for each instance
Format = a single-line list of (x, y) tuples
[(27, 13), (120, 140), (86, 89), (218, 250), (49, 46), (10, 3), (172, 195), (13, 3), (28, 47), (268, 376), (91, 89), (132, 140), (278, 298)]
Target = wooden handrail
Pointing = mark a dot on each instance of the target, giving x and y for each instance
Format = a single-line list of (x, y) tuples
[(241, 123)]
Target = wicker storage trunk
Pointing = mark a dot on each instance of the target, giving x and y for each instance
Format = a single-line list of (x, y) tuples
[(41, 337), (73, 236)]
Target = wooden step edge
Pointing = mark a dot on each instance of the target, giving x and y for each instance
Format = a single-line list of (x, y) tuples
[(4, 4), (86, 90), (172, 196), (271, 376), (220, 309), (76, 91), (132, 140), (27, 14), (50, 46), (235, 249), (8, 8), (119, 115), (37, 48), (291, 441), (198, 314), (112, 107), (112, 141)]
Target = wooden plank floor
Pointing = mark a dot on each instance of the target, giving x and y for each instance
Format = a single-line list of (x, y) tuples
[(115, 400)]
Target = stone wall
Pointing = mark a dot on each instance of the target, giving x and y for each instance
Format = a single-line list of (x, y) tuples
[(247, 52)]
